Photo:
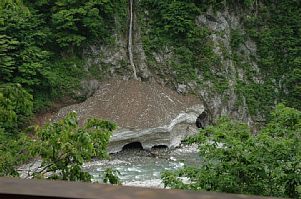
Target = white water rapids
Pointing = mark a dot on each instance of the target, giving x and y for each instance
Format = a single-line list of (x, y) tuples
[(138, 168)]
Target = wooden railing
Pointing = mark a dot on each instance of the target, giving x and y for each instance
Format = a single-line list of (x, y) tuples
[(20, 188)]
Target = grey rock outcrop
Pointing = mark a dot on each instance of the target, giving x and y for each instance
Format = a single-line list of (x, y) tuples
[(229, 102), (169, 135), (220, 90), (87, 88)]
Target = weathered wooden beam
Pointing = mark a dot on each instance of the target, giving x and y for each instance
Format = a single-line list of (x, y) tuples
[(20, 188)]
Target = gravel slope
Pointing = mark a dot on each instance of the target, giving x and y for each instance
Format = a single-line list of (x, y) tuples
[(132, 104)]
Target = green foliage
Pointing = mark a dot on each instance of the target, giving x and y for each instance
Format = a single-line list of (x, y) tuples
[(62, 81), (182, 64), (170, 21), (22, 58), (293, 85), (285, 122), (64, 76), (222, 4), (235, 161), (7, 61), (276, 30), (172, 24), (13, 5), (40, 39), (178, 18), (237, 38), (64, 146), (15, 107), (259, 97), (111, 176), (73, 23), (14, 150)]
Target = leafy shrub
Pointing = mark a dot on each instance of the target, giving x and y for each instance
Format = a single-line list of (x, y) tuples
[(14, 150), (235, 161), (15, 107), (170, 20), (74, 23), (23, 59), (111, 176), (64, 146), (7, 54)]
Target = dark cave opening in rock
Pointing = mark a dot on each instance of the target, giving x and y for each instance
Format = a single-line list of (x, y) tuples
[(133, 145), (201, 119), (198, 123), (160, 146)]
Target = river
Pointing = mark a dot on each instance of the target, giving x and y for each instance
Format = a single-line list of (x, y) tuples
[(138, 167)]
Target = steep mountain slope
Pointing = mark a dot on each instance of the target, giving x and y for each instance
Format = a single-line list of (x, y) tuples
[(239, 57), (218, 51)]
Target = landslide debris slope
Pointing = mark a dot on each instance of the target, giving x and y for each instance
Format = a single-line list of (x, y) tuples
[(132, 104)]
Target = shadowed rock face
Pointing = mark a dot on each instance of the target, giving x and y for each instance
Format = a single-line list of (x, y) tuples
[(169, 135), (144, 111)]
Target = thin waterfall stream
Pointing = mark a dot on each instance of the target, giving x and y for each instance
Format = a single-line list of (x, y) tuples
[(130, 39)]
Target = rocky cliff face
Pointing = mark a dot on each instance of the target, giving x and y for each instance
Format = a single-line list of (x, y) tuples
[(220, 91), (222, 26)]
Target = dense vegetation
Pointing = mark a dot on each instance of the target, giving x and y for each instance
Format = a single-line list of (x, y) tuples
[(274, 26), (62, 146), (235, 161), (41, 45), (276, 29), (41, 60), (41, 41)]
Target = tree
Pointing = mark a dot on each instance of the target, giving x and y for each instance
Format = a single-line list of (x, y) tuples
[(235, 161), (64, 146), (73, 23), (23, 59), (15, 107), (8, 48), (14, 150)]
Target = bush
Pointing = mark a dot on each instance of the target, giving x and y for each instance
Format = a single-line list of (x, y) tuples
[(64, 146), (15, 107), (235, 161), (111, 176), (14, 150)]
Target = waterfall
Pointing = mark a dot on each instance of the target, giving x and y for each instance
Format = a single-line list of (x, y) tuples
[(130, 42)]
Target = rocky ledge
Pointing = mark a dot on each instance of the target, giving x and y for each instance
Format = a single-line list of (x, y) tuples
[(145, 112), (169, 135)]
